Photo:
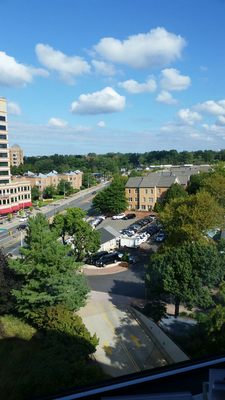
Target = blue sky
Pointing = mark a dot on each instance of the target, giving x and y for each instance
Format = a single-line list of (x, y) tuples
[(86, 76)]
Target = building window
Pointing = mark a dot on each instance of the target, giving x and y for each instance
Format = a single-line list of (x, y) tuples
[(136, 198), (136, 190), (3, 137), (146, 191), (4, 173), (11, 190), (159, 190), (3, 155), (2, 118), (3, 164), (130, 199), (150, 200), (129, 191), (143, 207), (12, 199), (4, 201), (2, 127), (152, 191), (4, 181), (3, 146)]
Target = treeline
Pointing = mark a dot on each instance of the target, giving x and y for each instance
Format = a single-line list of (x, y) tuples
[(113, 162)]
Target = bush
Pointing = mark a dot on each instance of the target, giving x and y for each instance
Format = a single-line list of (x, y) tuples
[(61, 320)]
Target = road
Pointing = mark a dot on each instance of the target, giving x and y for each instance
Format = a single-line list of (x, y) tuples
[(11, 239)]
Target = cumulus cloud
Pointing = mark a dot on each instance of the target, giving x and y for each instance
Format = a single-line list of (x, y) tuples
[(15, 74), (158, 47), (166, 98), (104, 101), (101, 124), (103, 68), (220, 120), (171, 79), (189, 117), (212, 107), (13, 108), (57, 122), (133, 86), (68, 67)]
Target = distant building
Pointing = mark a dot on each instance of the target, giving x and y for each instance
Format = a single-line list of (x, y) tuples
[(15, 155), (143, 192), (16, 194), (52, 179)]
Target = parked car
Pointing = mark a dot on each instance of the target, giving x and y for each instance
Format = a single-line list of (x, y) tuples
[(135, 227), (160, 237), (109, 258), (119, 216), (95, 257), (129, 216), (21, 227), (128, 232)]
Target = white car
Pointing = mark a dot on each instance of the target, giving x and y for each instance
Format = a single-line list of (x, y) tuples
[(119, 216), (23, 219)]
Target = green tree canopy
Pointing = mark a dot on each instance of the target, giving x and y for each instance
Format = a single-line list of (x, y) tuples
[(85, 239), (112, 200), (49, 192), (186, 273), (35, 193), (48, 275), (187, 219), (64, 187), (175, 191), (215, 185)]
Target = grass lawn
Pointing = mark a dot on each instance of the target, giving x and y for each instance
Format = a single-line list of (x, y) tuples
[(33, 363)]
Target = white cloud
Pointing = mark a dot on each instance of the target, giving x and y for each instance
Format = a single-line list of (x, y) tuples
[(16, 74), (166, 98), (57, 122), (189, 117), (220, 120), (156, 48), (101, 124), (103, 68), (13, 108), (133, 86), (68, 67), (171, 79), (212, 107), (104, 101)]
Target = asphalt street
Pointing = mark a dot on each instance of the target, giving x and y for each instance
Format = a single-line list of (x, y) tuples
[(11, 239)]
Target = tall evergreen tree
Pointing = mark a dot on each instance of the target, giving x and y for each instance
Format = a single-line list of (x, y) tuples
[(49, 275)]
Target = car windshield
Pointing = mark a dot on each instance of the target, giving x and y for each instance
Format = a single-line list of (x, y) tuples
[(112, 191)]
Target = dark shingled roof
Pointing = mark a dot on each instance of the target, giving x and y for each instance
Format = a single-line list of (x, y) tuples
[(134, 182), (108, 233)]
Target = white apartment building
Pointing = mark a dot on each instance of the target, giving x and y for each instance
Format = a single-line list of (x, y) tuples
[(14, 195)]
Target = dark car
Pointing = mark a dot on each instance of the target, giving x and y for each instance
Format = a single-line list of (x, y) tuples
[(130, 216), (108, 259), (21, 227), (95, 257)]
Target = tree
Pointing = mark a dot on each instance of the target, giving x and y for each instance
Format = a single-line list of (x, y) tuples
[(186, 273), (49, 276), (196, 182), (175, 191), (215, 185), (49, 192), (65, 187), (188, 219), (8, 281), (112, 200), (35, 193), (88, 180), (85, 239)]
